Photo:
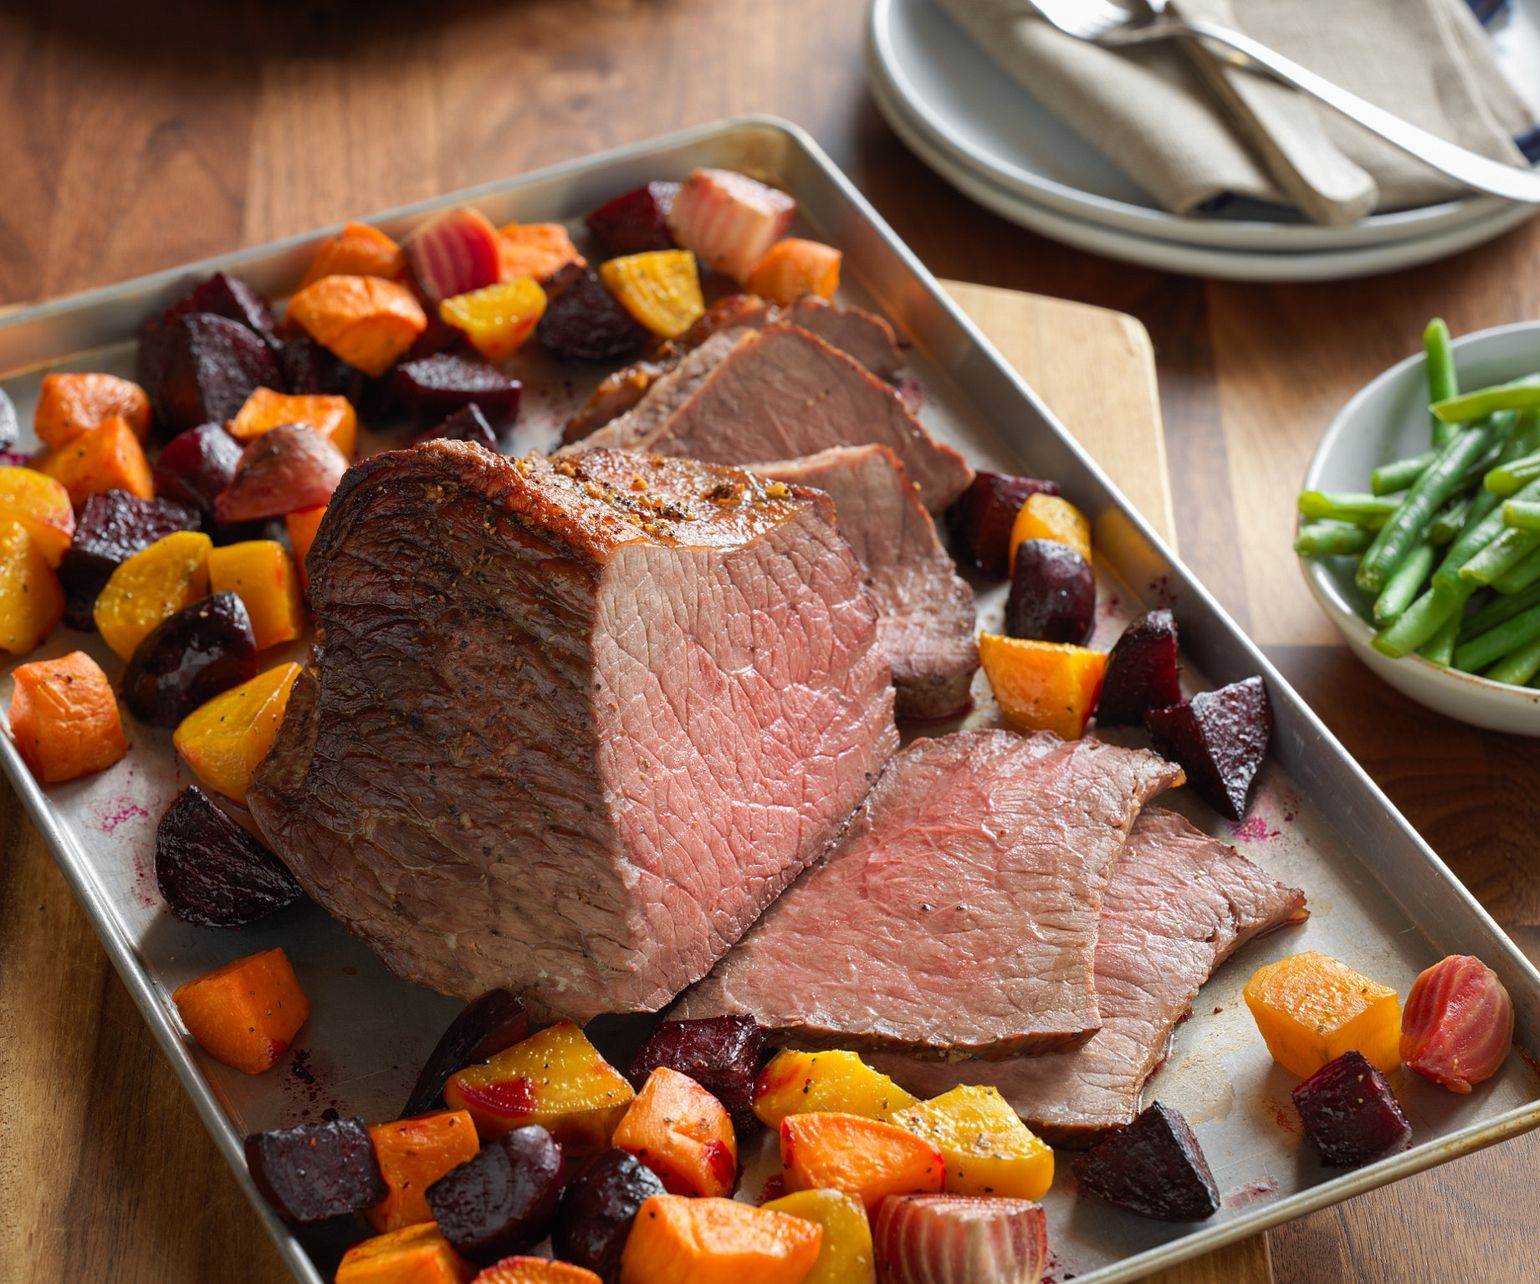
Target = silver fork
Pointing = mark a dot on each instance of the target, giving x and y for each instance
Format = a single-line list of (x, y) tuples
[(1105, 23)]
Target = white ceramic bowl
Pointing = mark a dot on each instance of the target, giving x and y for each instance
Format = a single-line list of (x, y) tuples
[(1388, 419)]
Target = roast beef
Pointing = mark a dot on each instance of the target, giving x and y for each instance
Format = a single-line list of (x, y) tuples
[(958, 914), (925, 620), (571, 726), (778, 393), (1179, 903)]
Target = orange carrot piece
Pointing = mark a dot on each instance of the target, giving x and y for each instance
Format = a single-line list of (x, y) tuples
[(535, 250), (333, 417), (31, 601), (367, 321), (357, 250), (262, 575), (682, 1133), (302, 527), (412, 1255), (64, 718), (99, 460), (413, 1154), (794, 268), (69, 405), (535, 1270), (246, 1013), (42, 505), (862, 1157), (677, 1240)]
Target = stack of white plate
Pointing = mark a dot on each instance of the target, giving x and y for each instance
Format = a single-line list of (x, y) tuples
[(986, 136)]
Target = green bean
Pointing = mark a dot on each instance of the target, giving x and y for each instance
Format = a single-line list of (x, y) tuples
[(1523, 575), (1500, 609), (1521, 394), (1397, 475), (1443, 383), (1522, 514), (1331, 539), (1495, 643), (1501, 555), (1482, 526), (1405, 583), (1346, 506), (1450, 520), (1440, 647), (1509, 477), (1518, 666), (1421, 620)]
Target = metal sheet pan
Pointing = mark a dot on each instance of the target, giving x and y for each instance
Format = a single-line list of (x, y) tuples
[(1381, 899)]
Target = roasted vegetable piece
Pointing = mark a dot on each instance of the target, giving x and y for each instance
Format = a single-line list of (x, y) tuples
[(1051, 517), (42, 505), (535, 250), (1153, 1167), (309, 370), (597, 1210), (1350, 1114), (797, 1082), (1053, 594), (1143, 672), (113, 527), (468, 424), (981, 518), (635, 221), (246, 1013), (225, 739), (949, 1239), (364, 320), (99, 460), (986, 1147), (315, 1171), (722, 1054), (64, 718), (433, 388), (151, 586), (189, 658), (332, 417), (194, 466), (10, 424), (677, 1240), (302, 527), (1310, 1009), (845, 1255), (502, 1199), (212, 872), (261, 574), (226, 296), (862, 1157), (497, 319), (535, 1270), (793, 268), (71, 404), (1457, 1029), (730, 220), (31, 600), (453, 253), (660, 289), (357, 250), (209, 366), (413, 1154), (287, 468), (556, 1079), (1043, 686), (484, 1027), (1219, 738), (412, 1255), (583, 321), (682, 1133)]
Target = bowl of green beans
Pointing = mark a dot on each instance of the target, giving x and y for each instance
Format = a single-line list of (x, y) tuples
[(1419, 526)]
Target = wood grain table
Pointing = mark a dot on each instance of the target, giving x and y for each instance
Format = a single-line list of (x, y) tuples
[(133, 137)]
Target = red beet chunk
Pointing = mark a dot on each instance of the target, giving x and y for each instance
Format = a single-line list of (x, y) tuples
[(1053, 594), (287, 468), (209, 366), (212, 872), (584, 321), (310, 370), (188, 659), (466, 424), (722, 1054), (433, 388), (485, 1026), (1143, 672), (1153, 1167), (227, 296), (960, 1239), (1220, 739), (453, 253), (502, 1200), (316, 1171), (1351, 1115), (113, 526), (636, 221), (981, 517), (194, 466), (597, 1211), (10, 428)]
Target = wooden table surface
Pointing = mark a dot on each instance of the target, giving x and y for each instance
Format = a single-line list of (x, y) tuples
[(136, 137)]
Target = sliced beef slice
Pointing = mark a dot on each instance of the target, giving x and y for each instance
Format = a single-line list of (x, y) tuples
[(1178, 905), (571, 726), (958, 915), (925, 618)]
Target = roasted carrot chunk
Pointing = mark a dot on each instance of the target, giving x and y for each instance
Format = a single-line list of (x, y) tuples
[(357, 250), (1043, 686), (682, 1133), (862, 1157), (412, 1255), (98, 460), (367, 321), (1051, 517), (535, 1270), (42, 505), (302, 527), (497, 319), (262, 575), (152, 586), (1311, 1009), (794, 268), (535, 250), (246, 1013), (225, 739), (31, 600), (332, 417), (64, 718), (413, 1154), (69, 405), (677, 1240)]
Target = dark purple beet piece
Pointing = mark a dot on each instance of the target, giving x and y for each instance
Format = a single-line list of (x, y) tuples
[(1219, 739), (310, 370), (597, 1211), (485, 1026), (433, 388), (466, 424), (1053, 594), (194, 466), (316, 1171), (188, 659), (1143, 672), (148, 362), (635, 221), (113, 526), (502, 1200), (210, 366), (1351, 1115), (10, 428), (230, 297), (981, 517), (584, 321), (1153, 1167), (722, 1054), (211, 871)]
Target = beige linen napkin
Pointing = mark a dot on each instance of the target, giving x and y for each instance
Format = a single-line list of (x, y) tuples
[(1143, 108)]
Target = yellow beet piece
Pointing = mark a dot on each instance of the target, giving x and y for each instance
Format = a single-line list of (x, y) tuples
[(1311, 1009), (31, 600), (262, 575), (42, 505), (496, 318), (1043, 686), (1051, 517), (225, 739), (659, 288), (986, 1148), (845, 1256), (796, 1083), (333, 417), (152, 586)]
